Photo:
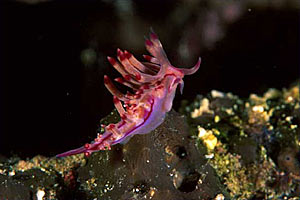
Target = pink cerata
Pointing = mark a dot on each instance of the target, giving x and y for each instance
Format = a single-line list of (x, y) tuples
[(154, 84)]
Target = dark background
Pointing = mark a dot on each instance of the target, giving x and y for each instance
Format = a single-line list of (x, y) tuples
[(53, 58)]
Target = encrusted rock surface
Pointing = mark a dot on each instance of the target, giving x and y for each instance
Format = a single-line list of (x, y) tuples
[(219, 147), (253, 144), (164, 164)]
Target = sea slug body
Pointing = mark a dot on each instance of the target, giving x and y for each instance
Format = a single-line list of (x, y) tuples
[(154, 84)]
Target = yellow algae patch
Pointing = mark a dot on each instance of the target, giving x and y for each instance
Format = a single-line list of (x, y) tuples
[(204, 108), (258, 114), (291, 95), (45, 164), (217, 94), (208, 138)]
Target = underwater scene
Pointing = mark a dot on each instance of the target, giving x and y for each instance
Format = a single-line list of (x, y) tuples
[(150, 100)]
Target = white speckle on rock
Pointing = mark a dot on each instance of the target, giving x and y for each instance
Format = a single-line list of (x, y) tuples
[(40, 194)]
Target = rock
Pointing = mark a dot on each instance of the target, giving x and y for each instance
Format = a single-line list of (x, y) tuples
[(255, 154), (163, 164)]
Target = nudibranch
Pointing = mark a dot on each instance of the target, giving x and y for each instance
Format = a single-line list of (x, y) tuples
[(153, 84)]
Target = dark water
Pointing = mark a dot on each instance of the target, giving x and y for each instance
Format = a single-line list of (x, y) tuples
[(53, 58)]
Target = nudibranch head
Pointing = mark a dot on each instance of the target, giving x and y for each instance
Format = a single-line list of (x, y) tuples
[(154, 85)]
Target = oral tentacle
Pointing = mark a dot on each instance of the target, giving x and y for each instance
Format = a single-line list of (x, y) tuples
[(181, 86), (191, 70)]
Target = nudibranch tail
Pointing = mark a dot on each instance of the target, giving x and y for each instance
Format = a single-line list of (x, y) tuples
[(100, 143), (153, 84)]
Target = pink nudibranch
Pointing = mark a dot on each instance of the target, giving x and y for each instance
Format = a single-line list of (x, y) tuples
[(154, 84)]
